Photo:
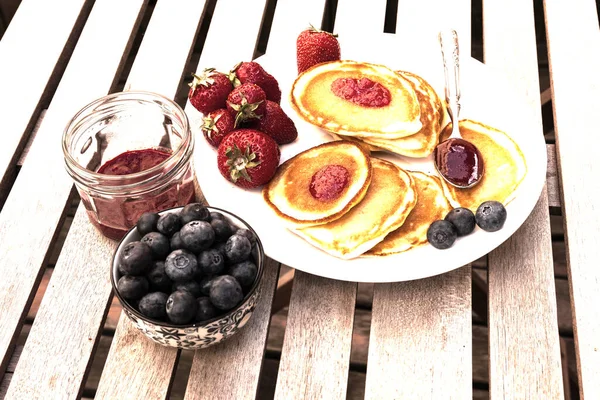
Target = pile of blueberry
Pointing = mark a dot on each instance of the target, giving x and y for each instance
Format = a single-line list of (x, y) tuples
[(490, 216), (188, 267)]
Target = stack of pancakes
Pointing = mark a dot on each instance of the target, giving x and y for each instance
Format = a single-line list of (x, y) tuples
[(409, 125)]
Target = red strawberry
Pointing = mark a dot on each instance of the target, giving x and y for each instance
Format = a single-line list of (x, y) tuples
[(314, 46), (216, 125), (246, 102), (209, 90), (253, 72), (277, 124), (248, 158)]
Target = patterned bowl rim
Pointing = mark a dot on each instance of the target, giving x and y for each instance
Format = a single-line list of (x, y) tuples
[(260, 267)]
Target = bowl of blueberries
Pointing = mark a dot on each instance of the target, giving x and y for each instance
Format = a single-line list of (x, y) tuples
[(188, 277)]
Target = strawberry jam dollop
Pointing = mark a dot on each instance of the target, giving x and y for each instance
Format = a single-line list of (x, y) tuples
[(134, 161), (363, 91), (329, 182)]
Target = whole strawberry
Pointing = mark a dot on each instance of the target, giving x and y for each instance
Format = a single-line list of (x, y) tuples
[(246, 102), (248, 158), (216, 125), (314, 46), (209, 90), (277, 124), (253, 72)]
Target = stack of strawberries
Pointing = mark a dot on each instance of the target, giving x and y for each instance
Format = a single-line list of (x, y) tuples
[(242, 115)]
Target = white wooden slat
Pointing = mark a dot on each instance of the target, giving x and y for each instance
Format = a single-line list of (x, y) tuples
[(42, 189), (524, 356), (574, 57), (351, 13), (421, 330), (29, 61)]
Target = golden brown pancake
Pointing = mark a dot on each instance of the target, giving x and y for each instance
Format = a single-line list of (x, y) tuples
[(389, 200), (431, 205), (504, 166), (300, 190), (366, 146), (312, 97)]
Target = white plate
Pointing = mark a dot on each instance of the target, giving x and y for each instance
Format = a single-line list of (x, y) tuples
[(487, 96)]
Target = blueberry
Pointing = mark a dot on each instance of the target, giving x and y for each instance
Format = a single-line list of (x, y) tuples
[(211, 262), (197, 236), (132, 287), (176, 242), (222, 229), (191, 286), (154, 305), (206, 310), (247, 234), (463, 220), (147, 223), (225, 292), (181, 307), (158, 243), (135, 259), (181, 266), (244, 272), (217, 215), (237, 249), (206, 284), (220, 247), (168, 224), (490, 216), (194, 212), (158, 277), (441, 234)]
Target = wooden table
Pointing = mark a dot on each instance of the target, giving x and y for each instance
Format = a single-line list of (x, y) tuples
[(61, 55)]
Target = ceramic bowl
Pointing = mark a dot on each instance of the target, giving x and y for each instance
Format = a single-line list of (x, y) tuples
[(202, 334)]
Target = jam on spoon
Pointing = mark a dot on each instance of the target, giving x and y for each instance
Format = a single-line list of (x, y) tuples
[(458, 161)]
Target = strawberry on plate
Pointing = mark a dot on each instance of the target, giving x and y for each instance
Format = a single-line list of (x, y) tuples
[(276, 124), (246, 102), (253, 72), (248, 158), (217, 125), (314, 46), (209, 90)]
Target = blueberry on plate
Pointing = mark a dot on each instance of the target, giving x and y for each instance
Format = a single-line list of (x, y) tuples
[(158, 243), (441, 234), (247, 234), (222, 229), (158, 278), (244, 272), (211, 262), (147, 223), (490, 216), (132, 287), (176, 242), (181, 307), (237, 249), (225, 292), (197, 236), (194, 212), (206, 284), (181, 266), (217, 215), (206, 310), (168, 224), (135, 259), (154, 305), (463, 220), (191, 286)]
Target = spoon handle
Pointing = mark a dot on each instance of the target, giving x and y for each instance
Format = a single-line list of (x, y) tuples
[(449, 45)]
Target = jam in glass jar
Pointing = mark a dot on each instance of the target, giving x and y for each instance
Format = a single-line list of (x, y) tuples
[(129, 153)]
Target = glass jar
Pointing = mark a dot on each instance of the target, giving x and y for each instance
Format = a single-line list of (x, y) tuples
[(129, 153)]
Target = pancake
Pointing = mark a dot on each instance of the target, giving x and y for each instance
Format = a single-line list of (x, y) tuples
[(504, 166), (389, 200), (292, 193), (422, 143), (366, 146), (313, 98), (431, 205)]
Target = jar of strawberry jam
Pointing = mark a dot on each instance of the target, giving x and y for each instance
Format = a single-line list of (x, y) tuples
[(129, 153)]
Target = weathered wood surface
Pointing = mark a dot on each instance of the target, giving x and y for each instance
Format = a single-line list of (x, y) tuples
[(44, 202), (573, 39), (523, 362)]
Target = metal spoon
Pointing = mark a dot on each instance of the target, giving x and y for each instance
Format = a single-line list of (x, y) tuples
[(458, 161)]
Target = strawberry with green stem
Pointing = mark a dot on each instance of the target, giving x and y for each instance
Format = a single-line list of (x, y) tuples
[(209, 90), (246, 102), (253, 72), (314, 46), (216, 125)]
